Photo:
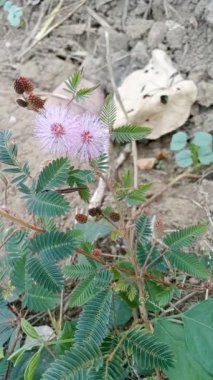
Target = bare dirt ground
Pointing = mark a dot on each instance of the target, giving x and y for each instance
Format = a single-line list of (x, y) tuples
[(136, 27)]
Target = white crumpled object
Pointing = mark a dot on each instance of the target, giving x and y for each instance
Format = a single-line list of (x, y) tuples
[(157, 97)]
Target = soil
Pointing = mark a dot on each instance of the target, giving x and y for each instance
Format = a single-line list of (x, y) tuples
[(136, 27)]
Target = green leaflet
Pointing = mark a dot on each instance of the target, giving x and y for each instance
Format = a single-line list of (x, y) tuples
[(54, 245), (184, 237), (31, 366), (45, 273), (144, 229), (93, 323), (79, 271), (148, 352), (188, 263), (48, 204), (40, 299), (128, 133), (108, 113), (53, 175), (73, 81), (74, 364)]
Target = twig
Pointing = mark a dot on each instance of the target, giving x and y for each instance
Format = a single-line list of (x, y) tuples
[(20, 221), (185, 174), (124, 16), (134, 146), (179, 302), (8, 238), (56, 25)]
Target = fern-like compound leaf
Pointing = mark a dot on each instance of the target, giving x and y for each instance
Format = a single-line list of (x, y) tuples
[(40, 299), (184, 237), (54, 245), (75, 364), (129, 133), (147, 351), (53, 175), (79, 271), (48, 204), (144, 229), (108, 113), (45, 273), (93, 323), (188, 263)]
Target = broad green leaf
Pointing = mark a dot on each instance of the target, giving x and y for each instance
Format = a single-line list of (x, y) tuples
[(40, 299), (95, 230), (29, 329), (185, 367), (158, 295), (184, 158), (129, 133), (53, 175), (178, 141), (198, 330), (47, 204), (202, 139), (31, 366), (121, 313)]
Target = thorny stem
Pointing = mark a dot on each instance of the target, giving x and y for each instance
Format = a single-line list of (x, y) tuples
[(20, 221)]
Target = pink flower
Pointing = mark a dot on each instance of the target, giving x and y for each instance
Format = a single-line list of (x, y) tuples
[(54, 129), (90, 138)]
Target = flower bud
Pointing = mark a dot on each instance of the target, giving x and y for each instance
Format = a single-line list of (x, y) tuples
[(81, 218)]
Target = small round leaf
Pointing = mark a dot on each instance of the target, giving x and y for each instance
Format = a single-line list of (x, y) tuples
[(205, 155), (178, 141), (202, 139), (184, 158)]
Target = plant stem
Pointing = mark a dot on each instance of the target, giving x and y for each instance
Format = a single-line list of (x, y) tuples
[(20, 221)]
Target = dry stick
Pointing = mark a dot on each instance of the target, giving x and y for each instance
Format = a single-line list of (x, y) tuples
[(134, 146), (20, 221), (56, 25), (185, 174)]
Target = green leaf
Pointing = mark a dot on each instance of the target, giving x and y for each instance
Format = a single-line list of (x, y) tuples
[(79, 271), (188, 263), (31, 366), (29, 329), (7, 322), (18, 274), (142, 252), (101, 163), (84, 92), (129, 133), (178, 141), (48, 204), (54, 245), (184, 158), (137, 196), (148, 352), (45, 273), (112, 370), (184, 237), (73, 81), (93, 324), (144, 229), (53, 175), (121, 313), (95, 230), (8, 151), (198, 329), (205, 155), (40, 299), (202, 139), (108, 113), (185, 367), (158, 295), (74, 364), (80, 177)]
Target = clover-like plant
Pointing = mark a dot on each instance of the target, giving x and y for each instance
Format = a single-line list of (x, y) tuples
[(107, 309), (14, 13), (198, 150)]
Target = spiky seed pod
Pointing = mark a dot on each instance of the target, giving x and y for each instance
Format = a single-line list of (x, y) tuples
[(94, 211), (81, 218), (35, 102), (22, 103), (114, 216), (97, 252), (22, 85)]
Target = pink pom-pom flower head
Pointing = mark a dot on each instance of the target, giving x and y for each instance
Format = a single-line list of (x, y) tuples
[(90, 139), (54, 129)]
